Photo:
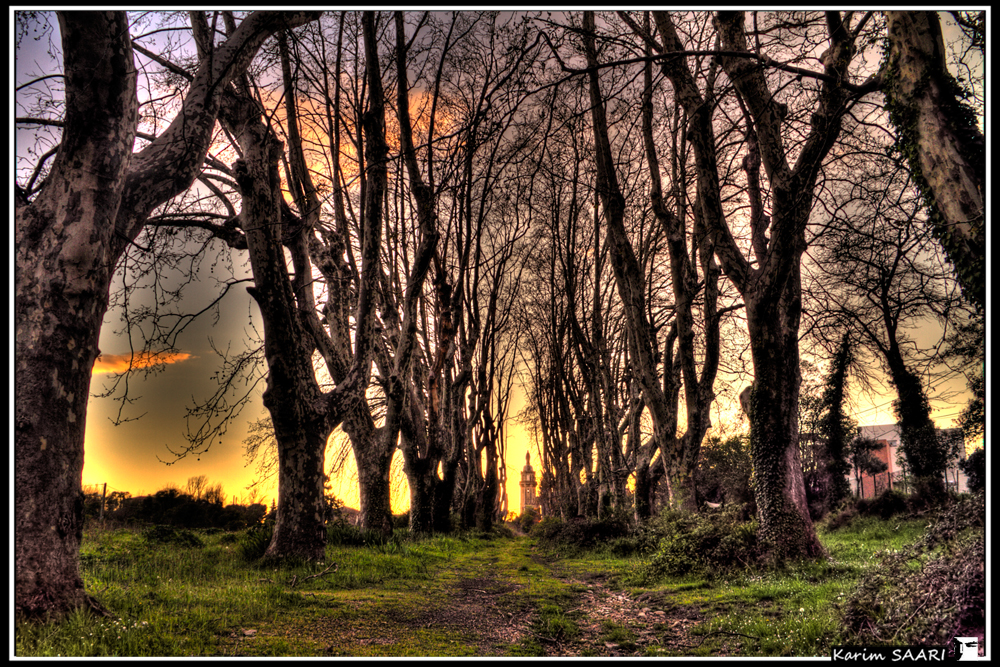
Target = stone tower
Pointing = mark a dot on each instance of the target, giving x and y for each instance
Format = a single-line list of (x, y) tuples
[(528, 497)]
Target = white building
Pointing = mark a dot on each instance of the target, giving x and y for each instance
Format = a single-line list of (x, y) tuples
[(891, 455)]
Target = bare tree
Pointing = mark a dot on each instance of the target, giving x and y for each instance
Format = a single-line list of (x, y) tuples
[(69, 236), (772, 288)]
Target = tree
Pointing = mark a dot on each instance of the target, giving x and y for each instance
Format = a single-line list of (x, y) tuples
[(860, 454), (682, 453), (771, 289), (834, 424), (70, 233), (197, 486), (974, 468), (880, 277), (940, 141)]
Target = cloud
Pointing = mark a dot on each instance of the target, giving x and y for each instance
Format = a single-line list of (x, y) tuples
[(119, 363)]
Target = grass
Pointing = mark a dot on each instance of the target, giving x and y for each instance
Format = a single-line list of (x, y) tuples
[(793, 612), (176, 598)]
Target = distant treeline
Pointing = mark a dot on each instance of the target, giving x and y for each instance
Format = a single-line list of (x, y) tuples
[(171, 506)]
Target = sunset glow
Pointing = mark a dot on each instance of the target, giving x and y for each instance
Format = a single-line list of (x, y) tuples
[(119, 363)]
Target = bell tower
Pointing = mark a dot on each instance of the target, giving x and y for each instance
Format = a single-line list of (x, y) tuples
[(528, 497)]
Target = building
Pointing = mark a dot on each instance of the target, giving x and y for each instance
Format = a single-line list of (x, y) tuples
[(890, 454), (529, 498)]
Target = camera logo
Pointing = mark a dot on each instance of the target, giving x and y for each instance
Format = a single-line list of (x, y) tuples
[(965, 648)]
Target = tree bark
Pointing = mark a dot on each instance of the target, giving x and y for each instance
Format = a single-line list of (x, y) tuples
[(64, 266), (292, 397), (373, 461), (940, 139)]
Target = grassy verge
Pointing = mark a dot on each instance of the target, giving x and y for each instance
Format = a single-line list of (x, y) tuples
[(194, 595), (793, 612)]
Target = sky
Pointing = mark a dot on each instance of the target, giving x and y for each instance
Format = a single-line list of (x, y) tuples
[(135, 455)]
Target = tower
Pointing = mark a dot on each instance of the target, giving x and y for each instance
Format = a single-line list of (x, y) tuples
[(528, 497)]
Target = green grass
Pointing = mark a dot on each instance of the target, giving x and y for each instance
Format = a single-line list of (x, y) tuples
[(792, 612), (173, 598)]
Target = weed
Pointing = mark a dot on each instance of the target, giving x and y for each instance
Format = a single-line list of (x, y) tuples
[(929, 592), (553, 624), (254, 541), (709, 544), (171, 535)]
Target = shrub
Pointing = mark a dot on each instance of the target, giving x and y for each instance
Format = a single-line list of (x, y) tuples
[(344, 534), (171, 535), (527, 519), (723, 473), (842, 517), (930, 592), (583, 532), (254, 541), (886, 505), (974, 468), (703, 544)]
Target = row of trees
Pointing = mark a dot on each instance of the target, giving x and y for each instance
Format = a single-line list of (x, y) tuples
[(427, 199), (186, 508), (828, 234)]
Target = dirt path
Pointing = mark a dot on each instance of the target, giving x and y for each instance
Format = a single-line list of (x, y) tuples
[(483, 605), (614, 623)]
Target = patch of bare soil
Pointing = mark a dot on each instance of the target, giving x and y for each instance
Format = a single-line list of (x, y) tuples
[(484, 610), (615, 623)]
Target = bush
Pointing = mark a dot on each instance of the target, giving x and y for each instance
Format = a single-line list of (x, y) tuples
[(886, 505), (930, 592), (583, 532), (172, 535), (344, 534), (529, 517), (723, 473), (974, 468), (842, 517), (254, 541), (705, 544)]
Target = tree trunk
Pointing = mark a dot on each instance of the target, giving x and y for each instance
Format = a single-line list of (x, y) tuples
[(487, 498), (64, 264), (925, 455), (373, 486), (644, 491), (94, 202), (779, 487), (293, 396), (422, 481), (940, 139), (299, 530)]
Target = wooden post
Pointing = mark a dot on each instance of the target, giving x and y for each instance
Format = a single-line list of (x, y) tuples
[(104, 494)]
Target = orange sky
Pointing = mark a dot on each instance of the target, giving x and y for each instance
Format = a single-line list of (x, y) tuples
[(118, 363), (130, 457)]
